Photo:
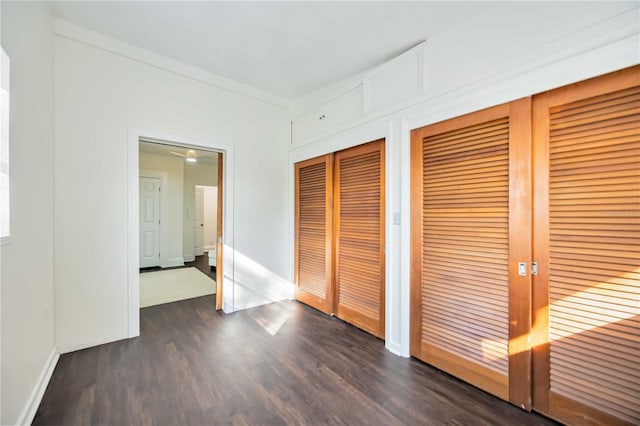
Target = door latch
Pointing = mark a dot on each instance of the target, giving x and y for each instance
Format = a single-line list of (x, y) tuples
[(534, 268), (522, 269)]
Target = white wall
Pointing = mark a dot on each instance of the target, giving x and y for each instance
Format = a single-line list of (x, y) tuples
[(509, 41), (28, 260), (518, 50), (210, 216), (174, 166), (194, 174), (1, 65), (100, 97)]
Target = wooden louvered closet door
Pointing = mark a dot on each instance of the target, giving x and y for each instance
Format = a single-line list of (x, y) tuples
[(359, 236), (470, 226), (313, 232), (587, 241)]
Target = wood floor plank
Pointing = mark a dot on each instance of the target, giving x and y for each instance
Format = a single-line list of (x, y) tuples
[(282, 363)]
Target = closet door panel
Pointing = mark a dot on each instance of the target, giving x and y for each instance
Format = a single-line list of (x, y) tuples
[(466, 318), (313, 232), (359, 236), (587, 227)]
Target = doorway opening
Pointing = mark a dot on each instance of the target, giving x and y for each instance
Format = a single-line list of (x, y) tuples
[(179, 222), (205, 228)]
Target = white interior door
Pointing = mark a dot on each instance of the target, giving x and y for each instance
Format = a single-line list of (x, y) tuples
[(199, 221), (149, 222)]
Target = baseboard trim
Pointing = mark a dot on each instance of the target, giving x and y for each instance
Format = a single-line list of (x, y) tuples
[(395, 349), (174, 261), (72, 347), (32, 404)]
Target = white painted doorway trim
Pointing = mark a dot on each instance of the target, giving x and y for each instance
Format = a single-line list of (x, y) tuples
[(164, 208), (133, 237)]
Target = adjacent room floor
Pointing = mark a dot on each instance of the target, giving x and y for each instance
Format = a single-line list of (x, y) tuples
[(174, 285), (200, 262), (165, 285), (282, 363)]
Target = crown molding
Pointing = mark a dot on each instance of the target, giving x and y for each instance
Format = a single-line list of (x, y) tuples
[(100, 41)]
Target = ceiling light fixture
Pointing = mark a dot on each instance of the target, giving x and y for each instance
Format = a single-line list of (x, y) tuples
[(191, 156)]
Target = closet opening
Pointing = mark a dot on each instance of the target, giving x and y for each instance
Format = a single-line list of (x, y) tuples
[(340, 235)]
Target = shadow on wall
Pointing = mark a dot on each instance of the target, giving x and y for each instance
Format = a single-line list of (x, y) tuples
[(251, 284)]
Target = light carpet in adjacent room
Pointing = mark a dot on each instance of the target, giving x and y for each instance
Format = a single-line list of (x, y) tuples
[(168, 286)]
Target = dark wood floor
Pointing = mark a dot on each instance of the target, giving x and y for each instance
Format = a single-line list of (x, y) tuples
[(201, 262), (282, 363)]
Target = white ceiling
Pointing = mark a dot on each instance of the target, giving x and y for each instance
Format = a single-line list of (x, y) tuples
[(286, 48), (206, 157)]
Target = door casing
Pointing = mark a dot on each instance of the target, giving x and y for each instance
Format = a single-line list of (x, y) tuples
[(225, 228)]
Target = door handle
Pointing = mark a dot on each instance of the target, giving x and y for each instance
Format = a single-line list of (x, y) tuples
[(522, 268)]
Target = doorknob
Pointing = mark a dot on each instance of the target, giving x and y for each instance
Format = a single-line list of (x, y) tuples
[(202, 224)]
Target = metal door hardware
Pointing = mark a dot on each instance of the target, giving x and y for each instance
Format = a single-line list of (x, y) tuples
[(522, 268)]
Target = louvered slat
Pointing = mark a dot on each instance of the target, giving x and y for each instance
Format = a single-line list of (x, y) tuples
[(465, 221), (359, 236), (312, 228), (594, 270)]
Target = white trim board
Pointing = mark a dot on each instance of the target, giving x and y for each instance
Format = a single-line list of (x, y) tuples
[(80, 34), (33, 402), (133, 237), (393, 297)]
